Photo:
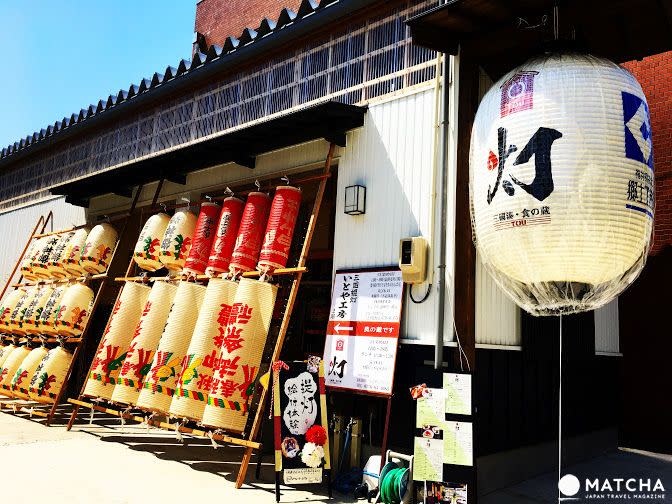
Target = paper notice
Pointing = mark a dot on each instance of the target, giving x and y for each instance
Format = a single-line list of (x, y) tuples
[(457, 388), (458, 443)]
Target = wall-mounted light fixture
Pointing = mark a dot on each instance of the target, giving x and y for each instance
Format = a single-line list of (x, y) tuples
[(355, 200)]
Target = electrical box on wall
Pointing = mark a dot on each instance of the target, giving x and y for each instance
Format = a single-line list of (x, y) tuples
[(413, 259)]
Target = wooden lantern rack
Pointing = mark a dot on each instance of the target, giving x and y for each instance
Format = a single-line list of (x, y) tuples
[(74, 344), (249, 439)]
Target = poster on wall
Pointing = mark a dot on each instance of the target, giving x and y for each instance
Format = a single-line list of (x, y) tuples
[(363, 331), (434, 492), (300, 421)]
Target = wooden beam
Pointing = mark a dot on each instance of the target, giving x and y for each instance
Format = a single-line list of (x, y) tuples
[(465, 253), (167, 425)]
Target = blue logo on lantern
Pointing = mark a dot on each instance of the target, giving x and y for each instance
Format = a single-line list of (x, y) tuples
[(638, 142)]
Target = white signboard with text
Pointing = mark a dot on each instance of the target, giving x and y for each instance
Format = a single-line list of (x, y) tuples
[(363, 332)]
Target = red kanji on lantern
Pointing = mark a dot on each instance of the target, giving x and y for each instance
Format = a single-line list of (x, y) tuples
[(228, 387), (232, 341), (204, 235), (280, 228), (251, 232), (225, 238), (228, 367), (241, 313)]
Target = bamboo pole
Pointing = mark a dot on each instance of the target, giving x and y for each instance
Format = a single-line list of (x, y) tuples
[(247, 274)]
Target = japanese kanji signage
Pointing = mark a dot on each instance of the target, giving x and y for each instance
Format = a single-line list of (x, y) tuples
[(363, 331), (300, 421)]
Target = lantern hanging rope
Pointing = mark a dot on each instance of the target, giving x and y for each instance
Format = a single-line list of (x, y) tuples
[(204, 235), (146, 252), (161, 381), (280, 229), (145, 341), (225, 239), (202, 356), (176, 242), (116, 340), (562, 183), (251, 233)]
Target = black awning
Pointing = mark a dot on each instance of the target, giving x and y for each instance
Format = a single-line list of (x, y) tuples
[(500, 34), (329, 120)]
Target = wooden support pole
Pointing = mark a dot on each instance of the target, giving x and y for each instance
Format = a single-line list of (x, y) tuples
[(258, 417), (247, 274)]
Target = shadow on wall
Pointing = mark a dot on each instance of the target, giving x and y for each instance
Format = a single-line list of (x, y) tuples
[(645, 327)]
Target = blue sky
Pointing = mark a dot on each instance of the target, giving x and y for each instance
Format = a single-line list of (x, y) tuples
[(59, 56)]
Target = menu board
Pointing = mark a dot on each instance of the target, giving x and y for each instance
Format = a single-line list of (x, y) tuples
[(363, 331)]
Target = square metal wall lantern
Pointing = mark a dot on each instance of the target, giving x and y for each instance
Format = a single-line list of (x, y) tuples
[(355, 200)]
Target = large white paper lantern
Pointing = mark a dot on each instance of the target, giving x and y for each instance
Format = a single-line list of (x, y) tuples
[(562, 191)]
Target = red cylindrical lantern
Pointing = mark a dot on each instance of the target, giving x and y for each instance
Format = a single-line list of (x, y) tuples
[(225, 239), (251, 232), (280, 228), (203, 238)]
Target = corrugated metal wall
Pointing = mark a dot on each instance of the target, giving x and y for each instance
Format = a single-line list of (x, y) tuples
[(392, 157), (497, 317), (16, 225), (607, 334)]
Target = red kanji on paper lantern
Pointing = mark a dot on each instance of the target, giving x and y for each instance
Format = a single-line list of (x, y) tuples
[(251, 232), (203, 238), (280, 228), (225, 238)]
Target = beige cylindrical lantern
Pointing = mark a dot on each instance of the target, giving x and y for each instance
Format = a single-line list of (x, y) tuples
[(74, 310), (35, 309), (73, 253), (159, 385), (50, 375), (30, 257), (146, 252), (241, 352), (144, 344), (4, 353), (98, 249), (8, 304), (177, 240), (45, 322), (562, 183), (115, 340), (193, 386), (26, 370), (16, 317), (40, 265), (8, 369), (56, 265)]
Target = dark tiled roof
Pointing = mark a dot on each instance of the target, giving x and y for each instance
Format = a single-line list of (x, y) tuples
[(184, 68)]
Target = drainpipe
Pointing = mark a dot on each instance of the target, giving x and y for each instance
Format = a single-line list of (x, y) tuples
[(443, 152)]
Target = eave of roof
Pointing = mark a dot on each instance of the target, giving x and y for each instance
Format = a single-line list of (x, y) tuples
[(289, 26)]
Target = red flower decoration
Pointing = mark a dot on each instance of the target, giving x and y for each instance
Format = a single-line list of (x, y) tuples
[(316, 434)]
